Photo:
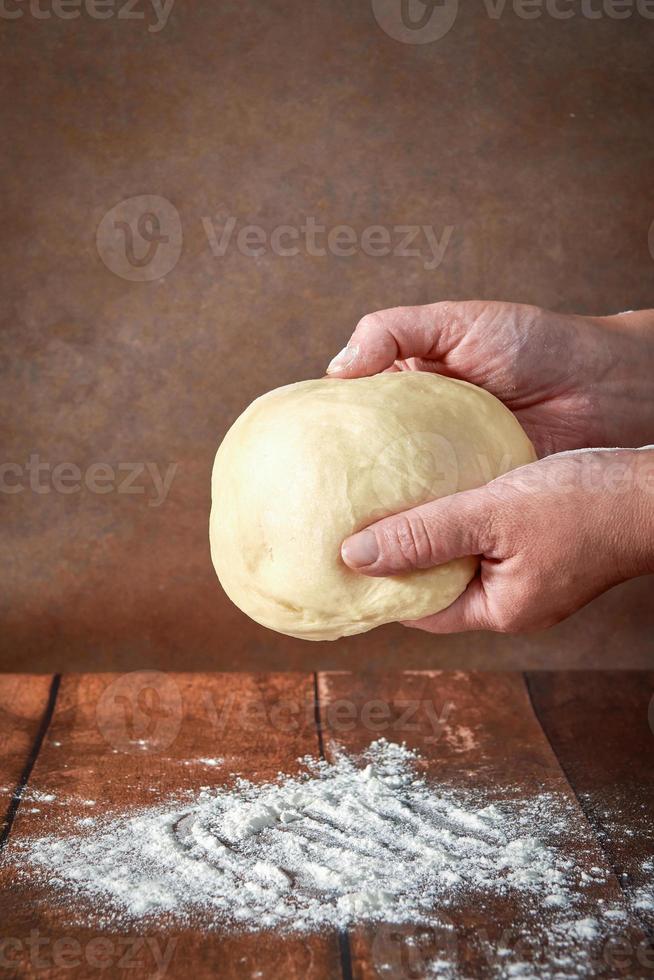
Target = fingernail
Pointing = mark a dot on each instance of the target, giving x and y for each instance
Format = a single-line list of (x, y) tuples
[(342, 360), (361, 549)]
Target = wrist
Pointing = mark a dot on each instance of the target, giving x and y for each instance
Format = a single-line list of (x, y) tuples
[(622, 367), (642, 509), (626, 506)]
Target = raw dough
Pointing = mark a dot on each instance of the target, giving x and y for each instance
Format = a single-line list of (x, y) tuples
[(306, 465)]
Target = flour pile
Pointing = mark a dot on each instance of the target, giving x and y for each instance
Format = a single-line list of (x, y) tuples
[(341, 842)]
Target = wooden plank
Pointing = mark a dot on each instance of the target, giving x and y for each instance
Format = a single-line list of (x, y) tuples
[(122, 740), (474, 731), (127, 740), (23, 705), (601, 726)]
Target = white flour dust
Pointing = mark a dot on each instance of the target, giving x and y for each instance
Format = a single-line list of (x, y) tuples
[(366, 840), (340, 842)]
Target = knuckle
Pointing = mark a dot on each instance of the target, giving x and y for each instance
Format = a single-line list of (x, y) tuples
[(484, 519), (488, 530), (370, 323), (408, 538)]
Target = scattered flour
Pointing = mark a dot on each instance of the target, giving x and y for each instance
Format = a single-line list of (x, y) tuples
[(204, 762), (644, 898), (367, 840), (36, 796), (459, 738)]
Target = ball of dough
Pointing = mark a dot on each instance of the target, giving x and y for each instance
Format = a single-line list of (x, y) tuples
[(311, 463)]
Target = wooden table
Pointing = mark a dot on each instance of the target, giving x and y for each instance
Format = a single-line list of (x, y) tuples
[(102, 741)]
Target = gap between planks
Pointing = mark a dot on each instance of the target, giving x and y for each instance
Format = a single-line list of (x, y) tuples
[(344, 947), (584, 810), (23, 779)]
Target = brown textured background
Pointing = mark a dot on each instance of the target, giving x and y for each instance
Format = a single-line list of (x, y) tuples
[(533, 138)]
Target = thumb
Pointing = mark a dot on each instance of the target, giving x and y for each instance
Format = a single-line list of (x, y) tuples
[(431, 534), (424, 332)]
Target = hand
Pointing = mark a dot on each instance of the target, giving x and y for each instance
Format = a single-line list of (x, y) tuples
[(551, 535), (572, 381)]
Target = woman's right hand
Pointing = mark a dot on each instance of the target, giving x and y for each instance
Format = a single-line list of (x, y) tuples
[(551, 536), (572, 381)]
